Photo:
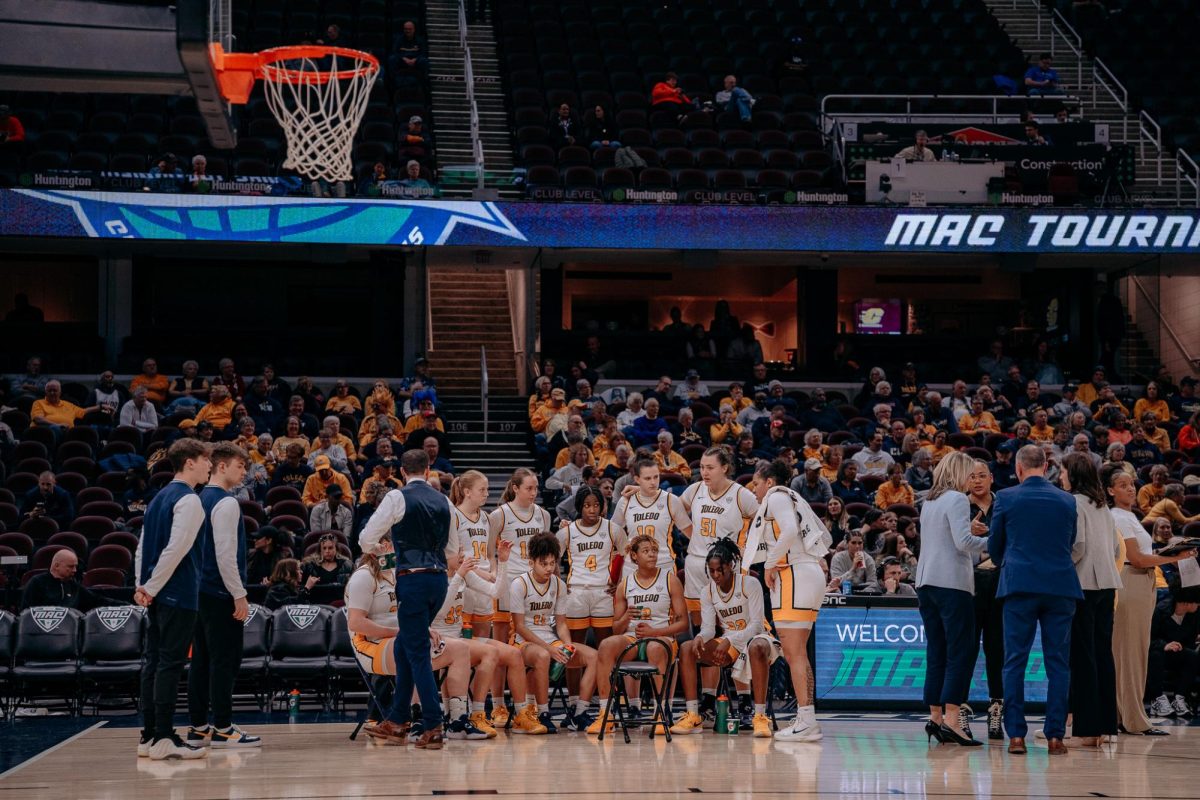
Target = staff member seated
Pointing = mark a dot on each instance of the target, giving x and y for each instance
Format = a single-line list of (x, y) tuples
[(918, 151), (58, 587)]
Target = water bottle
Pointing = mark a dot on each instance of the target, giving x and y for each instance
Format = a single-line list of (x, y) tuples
[(467, 631), (847, 587), (726, 723), (557, 669), (294, 702), (945, 153)]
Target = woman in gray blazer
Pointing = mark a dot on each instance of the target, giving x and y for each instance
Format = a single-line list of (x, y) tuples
[(945, 592), (1093, 700)]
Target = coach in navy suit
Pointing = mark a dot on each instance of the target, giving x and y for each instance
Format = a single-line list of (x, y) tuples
[(1032, 531)]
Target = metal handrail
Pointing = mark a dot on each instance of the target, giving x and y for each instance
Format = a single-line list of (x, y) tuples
[(428, 312), (483, 389), (908, 114), (1181, 175), (1163, 321), (472, 104), (1154, 136)]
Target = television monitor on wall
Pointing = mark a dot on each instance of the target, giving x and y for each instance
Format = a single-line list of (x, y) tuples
[(878, 316)]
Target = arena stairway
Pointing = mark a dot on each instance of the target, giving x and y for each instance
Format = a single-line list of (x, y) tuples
[(1020, 18), (507, 445), (469, 308), (450, 106)]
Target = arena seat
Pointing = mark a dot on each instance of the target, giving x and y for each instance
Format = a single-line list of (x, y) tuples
[(299, 651), (72, 541), (47, 653), (343, 664), (93, 527), (123, 539), (91, 494), (279, 493), (111, 651), (256, 645), (8, 636), (111, 556), (40, 528)]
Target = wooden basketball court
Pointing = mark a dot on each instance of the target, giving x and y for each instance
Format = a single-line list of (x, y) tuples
[(861, 756)]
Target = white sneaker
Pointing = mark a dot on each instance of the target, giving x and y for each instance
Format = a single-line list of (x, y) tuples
[(1181, 707), (804, 729), (174, 747), (144, 747), (1161, 707), (234, 738)]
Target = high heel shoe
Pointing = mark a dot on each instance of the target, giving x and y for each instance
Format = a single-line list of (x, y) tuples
[(933, 731), (952, 736)]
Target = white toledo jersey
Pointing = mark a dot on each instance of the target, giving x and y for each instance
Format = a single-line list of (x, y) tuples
[(649, 603), (473, 537), (656, 518), (726, 516), (590, 552), (519, 530)]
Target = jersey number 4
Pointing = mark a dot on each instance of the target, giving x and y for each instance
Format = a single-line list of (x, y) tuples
[(590, 563)]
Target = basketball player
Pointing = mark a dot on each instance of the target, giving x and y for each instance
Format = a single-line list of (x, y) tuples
[(734, 600), (648, 604), (371, 618), (647, 509), (168, 567), (720, 508), (590, 542), (468, 493), (486, 654), (797, 544), (517, 520), (538, 600), (217, 646)]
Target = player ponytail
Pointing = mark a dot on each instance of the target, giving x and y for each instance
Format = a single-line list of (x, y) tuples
[(464, 483), (777, 471), (641, 464), (724, 550), (516, 479)]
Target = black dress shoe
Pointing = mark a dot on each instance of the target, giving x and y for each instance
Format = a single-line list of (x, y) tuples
[(954, 737), (933, 731)]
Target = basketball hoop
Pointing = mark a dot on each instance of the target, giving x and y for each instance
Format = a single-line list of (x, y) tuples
[(318, 95)]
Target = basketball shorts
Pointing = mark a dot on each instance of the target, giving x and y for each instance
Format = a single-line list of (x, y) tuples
[(797, 596), (375, 657), (478, 608), (643, 653), (741, 662), (589, 608), (695, 578)]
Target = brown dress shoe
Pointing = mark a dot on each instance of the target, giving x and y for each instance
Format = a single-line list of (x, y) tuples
[(1056, 747), (388, 732), (430, 739), (1016, 745)]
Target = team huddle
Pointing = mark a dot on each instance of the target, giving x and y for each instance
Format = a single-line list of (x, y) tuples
[(510, 618)]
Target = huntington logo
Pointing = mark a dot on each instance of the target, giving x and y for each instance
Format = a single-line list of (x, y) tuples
[(115, 618), (302, 616), (48, 618)]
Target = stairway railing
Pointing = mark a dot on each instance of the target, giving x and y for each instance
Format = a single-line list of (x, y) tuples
[(1150, 304), (483, 389), (469, 79)]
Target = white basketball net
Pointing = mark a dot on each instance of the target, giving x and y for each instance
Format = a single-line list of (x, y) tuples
[(319, 103)]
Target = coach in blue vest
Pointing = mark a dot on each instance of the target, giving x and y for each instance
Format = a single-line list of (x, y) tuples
[(418, 518), (168, 568), (1032, 532)]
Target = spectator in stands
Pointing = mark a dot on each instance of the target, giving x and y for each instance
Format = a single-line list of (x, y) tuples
[(138, 412), (314, 399), (995, 363), (1106, 405), (1115, 454), (940, 417), (199, 180), (1154, 434), (685, 431), (734, 98), (848, 487), (543, 415), (1174, 654), (596, 359), (156, 384), (58, 587), (106, 394), (938, 449), (12, 132), (54, 412), (645, 430), (288, 586), (342, 402), (1140, 451), (1183, 401), (437, 462), (48, 499), (891, 581), (334, 514), (598, 130), (726, 429), (978, 422), (332, 452), (669, 462), (852, 564), (165, 176), (333, 37), (667, 96), (744, 348), (1042, 367), (1041, 78), (1168, 507), (776, 399), (219, 410), (873, 460), (1153, 401), (1189, 436), (633, 410), (325, 476), (228, 377), (920, 428), (754, 410), (699, 347), (894, 489), (291, 435), (293, 470), (1070, 402), (414, 142), (811, 485), (412, 176), (327, 565), (188, 391), (563, 128), (692, 388), (920, 475), (821, 415), (919, 150), (410, 60), (1041, 431), (1082, 444), (759, 382), (431, 426), (1155, 490), (569, 477), (265, 410), (1033, 134), (32, 383)]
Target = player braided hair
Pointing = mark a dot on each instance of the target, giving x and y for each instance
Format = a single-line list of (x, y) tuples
[(724, 550)]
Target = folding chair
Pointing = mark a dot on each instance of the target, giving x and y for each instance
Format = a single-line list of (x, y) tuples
[(377, 704), (643, 671)]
